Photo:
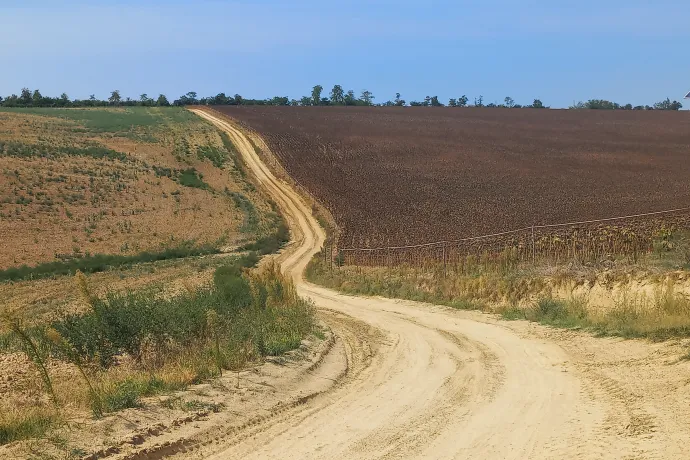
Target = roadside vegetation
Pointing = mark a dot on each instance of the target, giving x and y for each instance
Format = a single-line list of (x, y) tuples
[(175, 341), (154, 205), (645, 298)]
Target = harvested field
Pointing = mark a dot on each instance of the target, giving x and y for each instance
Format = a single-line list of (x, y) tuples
[(394, 176)]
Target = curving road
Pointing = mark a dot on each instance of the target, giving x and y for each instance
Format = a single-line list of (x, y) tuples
[(423, 381)]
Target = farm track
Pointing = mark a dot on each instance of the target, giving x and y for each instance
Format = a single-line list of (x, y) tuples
[(411, 380)]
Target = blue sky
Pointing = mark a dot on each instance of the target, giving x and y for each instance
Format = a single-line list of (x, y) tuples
[(559, 51)]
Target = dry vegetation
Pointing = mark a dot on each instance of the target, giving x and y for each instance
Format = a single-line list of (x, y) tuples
[(155, 205), (118, 181)]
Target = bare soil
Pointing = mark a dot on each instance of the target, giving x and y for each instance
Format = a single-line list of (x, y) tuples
[(411, 175)]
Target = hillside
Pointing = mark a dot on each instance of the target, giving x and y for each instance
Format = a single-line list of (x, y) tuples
[(120, 181)]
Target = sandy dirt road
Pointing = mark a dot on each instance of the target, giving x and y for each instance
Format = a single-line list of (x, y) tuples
[(422, 381)]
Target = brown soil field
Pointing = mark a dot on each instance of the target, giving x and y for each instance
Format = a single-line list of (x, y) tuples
[(414, 175), (113, 181)]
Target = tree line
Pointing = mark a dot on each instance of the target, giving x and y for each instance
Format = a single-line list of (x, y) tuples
[(336, 97), (602, 104)]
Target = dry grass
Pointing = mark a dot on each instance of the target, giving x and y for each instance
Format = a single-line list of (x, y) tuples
[(63, 205), (630, 301)]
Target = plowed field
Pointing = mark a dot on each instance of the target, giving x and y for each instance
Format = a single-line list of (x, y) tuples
[(413, 175)]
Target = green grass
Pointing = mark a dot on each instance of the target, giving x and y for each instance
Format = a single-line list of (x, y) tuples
[(102, 262), (215, 155), (191, 178), (251, 217), (21, 150), (15, 428), (101, 119), (271, 243)]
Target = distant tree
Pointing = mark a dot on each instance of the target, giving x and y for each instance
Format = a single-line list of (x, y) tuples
[(367, 97), (537, 104), (278, 100), (462, 101), (145, 100), (416, 104), (36, 98), (316, 94), (509, 102), (220, 99), (668, 105), (325, 101), (294, 102), (305, 101), (115, 98), (64, 100), (427, 101), (25, 97), (337, 95), (479, 102), (435, 102), (236, 100), (162, 101), (627, 107), (350, 98), (452, 102), (398, 101)]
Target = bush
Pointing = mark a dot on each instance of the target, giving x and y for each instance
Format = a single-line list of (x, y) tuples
[(261, 309)]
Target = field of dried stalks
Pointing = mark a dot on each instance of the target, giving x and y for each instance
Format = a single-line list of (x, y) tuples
[(410, 175)]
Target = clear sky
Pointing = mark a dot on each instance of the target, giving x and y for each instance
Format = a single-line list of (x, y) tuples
[(560, 51)]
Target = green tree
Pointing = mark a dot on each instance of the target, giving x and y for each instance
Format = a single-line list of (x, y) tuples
[(305, 101), (398, 101), (115, 98), (462, 101), (337, 95), (435, 102), (509, 102), (64, 100), (25, 97), (316, 94), (350, 98), (479, 102), (162, 101), (668, 105), (452, 102), (537, 104), (145, 100), (367, 97), (36, 98)]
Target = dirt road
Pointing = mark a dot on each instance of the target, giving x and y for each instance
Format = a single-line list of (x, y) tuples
[(421, 381)]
